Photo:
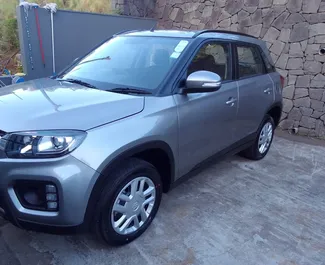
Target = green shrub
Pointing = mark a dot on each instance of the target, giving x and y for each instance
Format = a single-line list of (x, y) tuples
[(9, 33), (8, 26), (7, 9), (96, 6)]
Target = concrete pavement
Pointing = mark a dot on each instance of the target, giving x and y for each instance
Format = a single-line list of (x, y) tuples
[(235, 212)]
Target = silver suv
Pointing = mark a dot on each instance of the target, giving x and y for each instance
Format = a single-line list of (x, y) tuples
[(98, 144)]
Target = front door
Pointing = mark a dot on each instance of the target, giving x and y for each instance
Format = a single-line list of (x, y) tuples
[(206, 120)]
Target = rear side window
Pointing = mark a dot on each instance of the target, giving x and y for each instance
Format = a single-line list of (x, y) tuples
[(250, 62)]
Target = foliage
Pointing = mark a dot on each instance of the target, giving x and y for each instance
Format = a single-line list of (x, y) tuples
[(19, 66), (7, 9), (96, 6), (9, 34), (8, 30)]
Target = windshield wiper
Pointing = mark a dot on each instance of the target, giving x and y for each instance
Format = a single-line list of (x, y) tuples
[(76, 81), (127, 90), (97, 59)]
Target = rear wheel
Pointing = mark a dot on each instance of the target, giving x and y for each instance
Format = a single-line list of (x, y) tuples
[(129, 203), (263, 141)]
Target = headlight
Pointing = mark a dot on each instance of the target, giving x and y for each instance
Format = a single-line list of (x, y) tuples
[(41, 144)]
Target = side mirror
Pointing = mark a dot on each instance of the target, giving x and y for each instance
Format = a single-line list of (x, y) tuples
[(202, 82)]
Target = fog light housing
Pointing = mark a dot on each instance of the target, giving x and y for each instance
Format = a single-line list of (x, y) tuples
[(33, 198), (37, 195), (52, 206), (51, 197)]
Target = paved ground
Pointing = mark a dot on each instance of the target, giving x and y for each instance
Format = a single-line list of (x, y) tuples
[(235, 212)]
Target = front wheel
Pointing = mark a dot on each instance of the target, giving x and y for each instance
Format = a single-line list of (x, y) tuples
[(263, 141), (129, 202)]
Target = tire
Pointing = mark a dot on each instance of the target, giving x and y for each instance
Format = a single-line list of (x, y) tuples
[(131, 171), (254, 151)]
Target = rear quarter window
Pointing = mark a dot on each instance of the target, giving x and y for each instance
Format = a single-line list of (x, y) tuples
[(270, 68)]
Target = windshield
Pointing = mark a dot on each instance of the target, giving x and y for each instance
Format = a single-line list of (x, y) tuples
[(136, 62)]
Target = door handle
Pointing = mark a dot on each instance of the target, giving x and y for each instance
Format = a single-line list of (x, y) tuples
[(268, 91), (231, 102)]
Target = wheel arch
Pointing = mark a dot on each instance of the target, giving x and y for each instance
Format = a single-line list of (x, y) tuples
[(139, 151), (275, 112)]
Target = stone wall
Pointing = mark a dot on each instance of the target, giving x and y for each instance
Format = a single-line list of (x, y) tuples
[(294, 31), (137, 8)]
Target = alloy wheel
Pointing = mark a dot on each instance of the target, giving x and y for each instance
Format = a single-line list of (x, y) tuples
[(265, 137), (133, 205)]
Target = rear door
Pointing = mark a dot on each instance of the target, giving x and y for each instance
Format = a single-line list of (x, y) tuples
[(277, 79), (256, 89)]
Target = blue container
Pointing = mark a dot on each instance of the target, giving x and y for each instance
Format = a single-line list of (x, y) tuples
[(18, 79)]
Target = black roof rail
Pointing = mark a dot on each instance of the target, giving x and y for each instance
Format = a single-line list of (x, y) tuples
[(221, 31)]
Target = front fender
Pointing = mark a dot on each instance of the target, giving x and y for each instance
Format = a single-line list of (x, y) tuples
[(104, 146)]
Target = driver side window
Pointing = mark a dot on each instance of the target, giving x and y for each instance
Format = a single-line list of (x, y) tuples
[(213, 57)]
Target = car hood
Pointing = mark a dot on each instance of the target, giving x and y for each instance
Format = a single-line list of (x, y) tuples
[(46, 104)]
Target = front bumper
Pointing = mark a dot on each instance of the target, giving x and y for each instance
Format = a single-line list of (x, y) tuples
[(73, 179)]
